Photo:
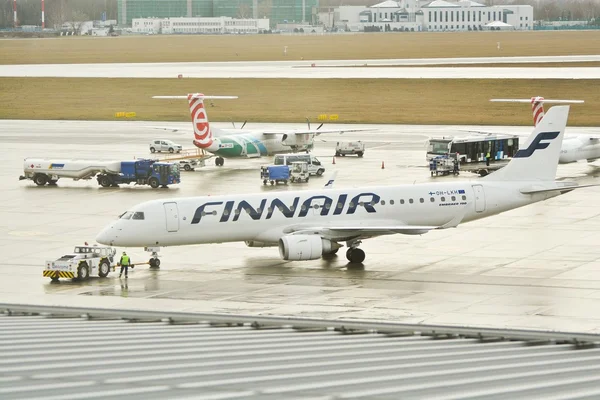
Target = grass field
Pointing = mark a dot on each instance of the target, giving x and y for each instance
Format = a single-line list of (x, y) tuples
[(424, 101), (181, 48)]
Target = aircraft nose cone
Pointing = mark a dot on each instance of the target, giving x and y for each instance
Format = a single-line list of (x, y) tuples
[(106, 236)]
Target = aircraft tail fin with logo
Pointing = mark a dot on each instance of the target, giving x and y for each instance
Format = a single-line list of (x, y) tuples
[(537, 160), (203, 136), (537, 105)]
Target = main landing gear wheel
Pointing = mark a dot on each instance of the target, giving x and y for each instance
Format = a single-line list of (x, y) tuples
[(355, 256), (219, 161), (154, 263)]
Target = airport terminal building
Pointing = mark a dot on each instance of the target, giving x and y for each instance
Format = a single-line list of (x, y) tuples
[(184, 25), (437, 16), (277, 11)]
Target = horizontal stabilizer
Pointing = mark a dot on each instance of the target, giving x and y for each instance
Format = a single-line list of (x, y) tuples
[(195, 96), (549, 101), (532, 190)]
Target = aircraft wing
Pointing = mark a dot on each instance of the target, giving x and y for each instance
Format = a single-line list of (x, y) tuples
[(172, 128), (345, 232), (311, 131)]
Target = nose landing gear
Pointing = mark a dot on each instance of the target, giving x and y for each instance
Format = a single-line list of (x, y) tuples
[(154, 262)]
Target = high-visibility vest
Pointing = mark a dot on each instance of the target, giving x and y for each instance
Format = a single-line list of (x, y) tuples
[(125, 260)]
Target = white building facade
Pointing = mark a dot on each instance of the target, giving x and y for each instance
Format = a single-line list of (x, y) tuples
[(185, 25), (466, 15), (146, 25), (437, 16)]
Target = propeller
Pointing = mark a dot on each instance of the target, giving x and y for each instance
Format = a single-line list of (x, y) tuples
[(243, 125)]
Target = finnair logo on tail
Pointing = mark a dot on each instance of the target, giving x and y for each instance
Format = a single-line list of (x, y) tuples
[(329, 183), (537, 144)]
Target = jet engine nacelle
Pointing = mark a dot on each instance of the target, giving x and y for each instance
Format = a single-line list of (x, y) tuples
[(305, 247), (254, 243), (296, 140)]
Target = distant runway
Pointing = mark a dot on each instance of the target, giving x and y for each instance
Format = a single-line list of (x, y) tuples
[(335, 69)]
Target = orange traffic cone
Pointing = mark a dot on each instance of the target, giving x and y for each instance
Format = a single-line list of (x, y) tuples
[(382, 165), (333, 160)]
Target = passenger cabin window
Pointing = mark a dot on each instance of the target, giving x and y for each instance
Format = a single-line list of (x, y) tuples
[(410, 201), (138, 215)]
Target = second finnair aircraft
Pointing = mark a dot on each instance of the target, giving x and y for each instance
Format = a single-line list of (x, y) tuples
[(574, 148), (308, 224)]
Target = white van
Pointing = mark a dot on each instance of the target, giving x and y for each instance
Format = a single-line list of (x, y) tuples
[(314, 165), (343, 148)]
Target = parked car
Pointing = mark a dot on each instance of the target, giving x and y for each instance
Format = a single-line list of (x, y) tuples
[(164, 145)]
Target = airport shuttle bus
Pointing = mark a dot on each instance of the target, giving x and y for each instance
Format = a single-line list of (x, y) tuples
[(473, 149)]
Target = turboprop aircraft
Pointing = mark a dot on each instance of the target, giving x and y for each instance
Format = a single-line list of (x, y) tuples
[(309, 224), (236, 143), (575, 147)]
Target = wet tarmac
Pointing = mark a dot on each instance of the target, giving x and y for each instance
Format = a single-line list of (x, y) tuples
[(535, 267)]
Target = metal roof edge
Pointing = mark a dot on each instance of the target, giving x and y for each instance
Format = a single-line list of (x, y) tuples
[(343, 326)]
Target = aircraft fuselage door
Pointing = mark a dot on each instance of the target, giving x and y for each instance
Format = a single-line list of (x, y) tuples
[(479, 198), (171, 216)]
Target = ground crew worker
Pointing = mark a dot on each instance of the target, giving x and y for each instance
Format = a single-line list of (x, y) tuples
[(124, 264), (487, 158)]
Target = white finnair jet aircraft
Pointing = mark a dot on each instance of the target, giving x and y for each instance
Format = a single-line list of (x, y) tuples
[(575, 147), (308, 224)]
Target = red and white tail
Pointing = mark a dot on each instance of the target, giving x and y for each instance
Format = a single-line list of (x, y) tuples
[(537, 108), (537, 105), (203, 136)]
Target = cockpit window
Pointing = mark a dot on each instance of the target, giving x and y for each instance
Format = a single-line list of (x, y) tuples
[(138, 215), (126, 215)]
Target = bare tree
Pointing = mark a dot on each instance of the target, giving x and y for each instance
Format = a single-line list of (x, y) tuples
[(58, 13), (264, 8), (244, 11), (76, 20)]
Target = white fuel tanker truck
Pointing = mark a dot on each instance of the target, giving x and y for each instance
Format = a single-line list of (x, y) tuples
[(107, 173)]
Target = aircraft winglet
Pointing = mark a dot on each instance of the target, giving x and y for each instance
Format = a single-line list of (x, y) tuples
[(329, 183)]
